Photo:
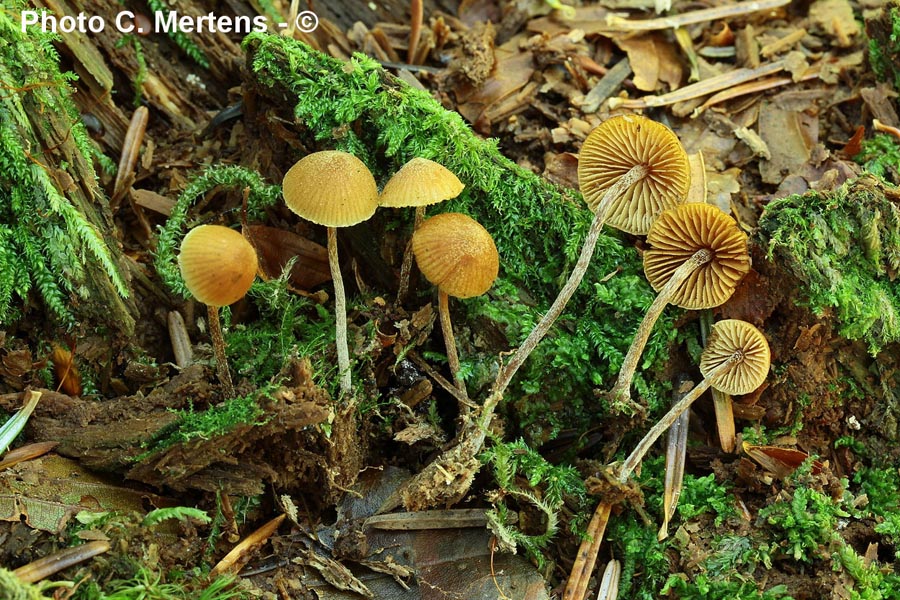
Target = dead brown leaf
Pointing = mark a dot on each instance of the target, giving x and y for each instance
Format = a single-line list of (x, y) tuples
[(654, 61)]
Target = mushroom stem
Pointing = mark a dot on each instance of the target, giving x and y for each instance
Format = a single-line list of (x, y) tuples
[(406, 266), (620, 394), (670, 417), (215, 332), (450, 341), (340, 313), (587, 251)]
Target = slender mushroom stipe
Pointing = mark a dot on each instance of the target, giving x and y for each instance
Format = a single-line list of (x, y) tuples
[(736, 360), (334, 189), (696, 259), (218, 266), (419, 183), (457, 255)]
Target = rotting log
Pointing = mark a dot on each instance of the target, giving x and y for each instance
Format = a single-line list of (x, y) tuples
[(57, 235), (146, 438)]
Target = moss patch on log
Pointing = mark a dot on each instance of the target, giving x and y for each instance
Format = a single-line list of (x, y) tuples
[(845, 246), (55, 223)]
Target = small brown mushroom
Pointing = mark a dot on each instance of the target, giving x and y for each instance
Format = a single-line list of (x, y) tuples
[(218, 266), (697, 256), (629, 169), (419, 183), (736, 360), (736, 357), (615, 147), (458, 255), (334, 189)]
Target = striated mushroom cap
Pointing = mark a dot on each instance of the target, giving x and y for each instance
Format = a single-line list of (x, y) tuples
[(456, 254), (331, 188), (420, 182), (617, 145), (681, 231), (751, 368), (217, 264)]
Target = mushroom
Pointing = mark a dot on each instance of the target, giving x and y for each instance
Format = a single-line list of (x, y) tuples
[(629, 169), (218, 266), (419, 183), (620, 144), (697, 256), (334, 189), (458, 255), (736, 361)]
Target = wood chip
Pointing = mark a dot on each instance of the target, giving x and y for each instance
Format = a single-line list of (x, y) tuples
[(153, 201)]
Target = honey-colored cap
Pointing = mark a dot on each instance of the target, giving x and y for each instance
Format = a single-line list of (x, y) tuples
[(420, 182), (456, 254), (331, 188), (617, 145), (680, 232), (217, 264), (750, 370)]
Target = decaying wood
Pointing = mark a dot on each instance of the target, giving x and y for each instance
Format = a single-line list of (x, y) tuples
[(54, 149)]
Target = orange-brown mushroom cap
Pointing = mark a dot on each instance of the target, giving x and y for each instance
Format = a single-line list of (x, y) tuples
[(617, 145), (680, 232), (331, 188), (750, 370), (217, 264), (420, 182), (456, 254)]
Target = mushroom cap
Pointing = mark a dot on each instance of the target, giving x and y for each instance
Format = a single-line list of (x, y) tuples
[(217, 264), (681, 231), (456, 254), (748, 373), (617, 145), (420, 182), (331, 188)]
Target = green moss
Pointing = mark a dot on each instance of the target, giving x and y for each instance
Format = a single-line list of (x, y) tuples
[(141, 76), (880, 156), (213, 422), (704, 495), (845, 246), (803, 520), (170, 235), (289, 326), (12, 588), (47, 244), (146, 584), (187, 45), (538, 228), (645, 564), (704, 587), (525, 477), (884, 44)]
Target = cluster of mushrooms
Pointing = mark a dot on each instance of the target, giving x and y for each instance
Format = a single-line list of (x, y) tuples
[(634, 175), (454, 252), (697, 255), (335, 189)]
